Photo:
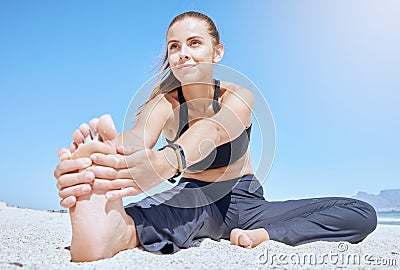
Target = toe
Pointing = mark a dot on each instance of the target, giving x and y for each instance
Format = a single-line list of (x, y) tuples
[(91, 147), (234, 236), (244, 241), (106, 128), (240, 238), (93, 124), (85, 130), (78, 137)]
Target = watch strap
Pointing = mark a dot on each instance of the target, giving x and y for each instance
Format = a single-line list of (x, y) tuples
[(180, 155)]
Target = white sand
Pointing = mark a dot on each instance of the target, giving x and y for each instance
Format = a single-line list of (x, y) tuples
[(32, 239)]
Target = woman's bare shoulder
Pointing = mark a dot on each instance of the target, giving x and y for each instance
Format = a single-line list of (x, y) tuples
[(166, 99), (172, 98), (159, 104), (230, 88)]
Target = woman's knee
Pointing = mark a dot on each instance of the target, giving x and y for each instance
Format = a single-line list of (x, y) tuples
[(369, 221)]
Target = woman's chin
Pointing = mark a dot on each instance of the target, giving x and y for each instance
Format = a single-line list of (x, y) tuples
[(191, 78)]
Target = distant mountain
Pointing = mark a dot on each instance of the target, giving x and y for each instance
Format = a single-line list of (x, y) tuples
[(386, 200)]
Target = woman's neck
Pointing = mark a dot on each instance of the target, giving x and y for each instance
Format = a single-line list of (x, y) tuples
[(199, 96)]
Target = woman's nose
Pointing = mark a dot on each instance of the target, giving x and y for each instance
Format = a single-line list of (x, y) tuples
[(184, 53), (183, 56)]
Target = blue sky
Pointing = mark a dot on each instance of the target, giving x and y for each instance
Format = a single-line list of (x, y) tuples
[(328, 69)]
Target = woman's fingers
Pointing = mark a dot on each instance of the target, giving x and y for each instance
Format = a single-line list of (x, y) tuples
[(118, 161), (124, 149), (117, 194), (104, 172), (114, 161), (68, 202), (105, 184), (76, 191), (71, 165), (109, 173), (71, 179), (126, 141)]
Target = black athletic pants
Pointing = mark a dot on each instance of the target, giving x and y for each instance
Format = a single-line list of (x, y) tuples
[(193, 209)]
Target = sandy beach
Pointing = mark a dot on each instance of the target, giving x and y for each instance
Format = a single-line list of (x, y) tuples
[(32, 239)]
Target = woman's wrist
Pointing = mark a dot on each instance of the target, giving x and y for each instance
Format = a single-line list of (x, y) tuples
[(169, 163), (180, 157)]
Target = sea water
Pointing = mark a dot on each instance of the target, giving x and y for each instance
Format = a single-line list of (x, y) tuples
[(390, 218)]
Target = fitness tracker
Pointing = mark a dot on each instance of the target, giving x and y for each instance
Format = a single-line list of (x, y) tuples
[(180, 156)]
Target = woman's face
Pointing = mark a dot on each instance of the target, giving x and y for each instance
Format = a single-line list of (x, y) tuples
[(191, 53)]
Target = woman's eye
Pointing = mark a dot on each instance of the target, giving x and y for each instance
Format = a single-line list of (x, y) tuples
[(195, 42), (173, 46)]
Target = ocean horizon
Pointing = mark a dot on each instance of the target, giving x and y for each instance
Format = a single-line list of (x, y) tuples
[(389, 218)]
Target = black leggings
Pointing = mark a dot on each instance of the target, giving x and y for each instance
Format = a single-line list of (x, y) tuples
[(193, 209)]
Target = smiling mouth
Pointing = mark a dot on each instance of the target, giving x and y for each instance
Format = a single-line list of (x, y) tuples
[(186, 66)]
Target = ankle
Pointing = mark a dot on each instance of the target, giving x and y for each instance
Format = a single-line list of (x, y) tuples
[(131, 239)]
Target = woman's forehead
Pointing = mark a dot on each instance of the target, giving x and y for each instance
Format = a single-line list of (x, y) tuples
[(188, 27)]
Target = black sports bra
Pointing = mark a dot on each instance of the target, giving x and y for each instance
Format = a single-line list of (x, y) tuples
[(224, 154)]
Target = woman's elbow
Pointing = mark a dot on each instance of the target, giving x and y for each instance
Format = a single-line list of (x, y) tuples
[(212, 132)]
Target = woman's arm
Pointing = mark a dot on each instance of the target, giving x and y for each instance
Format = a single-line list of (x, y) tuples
[(226, 125), (148, 167), (149, 125)]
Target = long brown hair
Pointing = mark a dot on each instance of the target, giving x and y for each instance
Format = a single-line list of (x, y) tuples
[(166, 79)]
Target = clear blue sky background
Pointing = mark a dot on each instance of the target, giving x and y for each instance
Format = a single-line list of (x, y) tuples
[(328, 69)]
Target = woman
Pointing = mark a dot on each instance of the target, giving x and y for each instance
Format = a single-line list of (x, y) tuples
[(207, 124)]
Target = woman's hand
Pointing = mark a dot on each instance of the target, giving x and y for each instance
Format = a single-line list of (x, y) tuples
[(127, 173), (131, 173), (72, 183)]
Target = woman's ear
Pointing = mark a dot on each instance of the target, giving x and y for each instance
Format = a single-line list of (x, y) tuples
[(218, 53)]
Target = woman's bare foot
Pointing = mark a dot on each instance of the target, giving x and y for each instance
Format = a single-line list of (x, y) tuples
[(100, 228), (104, 138), (248, 238)]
